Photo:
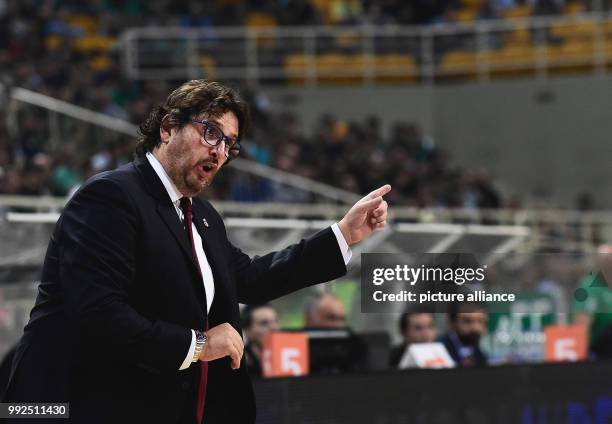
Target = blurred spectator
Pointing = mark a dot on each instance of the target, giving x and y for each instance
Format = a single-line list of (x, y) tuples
[(325, 311), (547, 7), (414, 328), (257, 323), (467, 324), (593, 302), (585, 202), (334, 347), (499, 6)]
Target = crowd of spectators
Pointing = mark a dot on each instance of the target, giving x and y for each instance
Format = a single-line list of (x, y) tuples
[(467, 331), (357, 157), (39, 51), (466, 325), (116, 14), (353, 156)]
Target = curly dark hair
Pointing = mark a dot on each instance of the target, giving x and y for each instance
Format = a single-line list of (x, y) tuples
[(193, 98)]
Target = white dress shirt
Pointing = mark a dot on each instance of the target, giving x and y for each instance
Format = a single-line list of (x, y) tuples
[(207, 275)]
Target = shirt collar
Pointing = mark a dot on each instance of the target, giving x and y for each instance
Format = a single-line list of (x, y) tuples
[(173, 192)]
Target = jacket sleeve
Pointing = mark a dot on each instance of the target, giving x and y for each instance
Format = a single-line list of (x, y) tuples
[(97, 242), (311, 261)]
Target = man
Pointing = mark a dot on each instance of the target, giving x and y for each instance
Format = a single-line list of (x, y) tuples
[(334, 347), (257, 322), (467, 324), (592, 304), (414, 327), (137, 315), (325, 311)]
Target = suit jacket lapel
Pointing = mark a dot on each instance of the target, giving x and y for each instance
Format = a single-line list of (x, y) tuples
[(168, 214), (172, 221)]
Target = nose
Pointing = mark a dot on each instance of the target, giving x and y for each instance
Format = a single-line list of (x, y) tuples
[(218, 150), (214, 152)]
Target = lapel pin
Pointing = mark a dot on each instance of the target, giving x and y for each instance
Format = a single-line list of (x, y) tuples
[(205, 222)]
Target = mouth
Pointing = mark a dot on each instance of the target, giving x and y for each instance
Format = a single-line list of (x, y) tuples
[(207, 170)]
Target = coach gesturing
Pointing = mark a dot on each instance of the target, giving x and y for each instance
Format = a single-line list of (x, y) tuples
[(136, 319)]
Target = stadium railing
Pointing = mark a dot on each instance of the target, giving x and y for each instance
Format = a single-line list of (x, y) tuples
[(317, 55), (565, 230)]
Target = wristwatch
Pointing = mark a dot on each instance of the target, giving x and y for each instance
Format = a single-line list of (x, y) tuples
[(201, 339)]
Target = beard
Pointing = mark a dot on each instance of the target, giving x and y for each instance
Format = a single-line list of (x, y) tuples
[(193, 184), (469, 339), (187, 179)]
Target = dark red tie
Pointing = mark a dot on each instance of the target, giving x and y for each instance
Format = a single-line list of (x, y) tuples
[(187, 214)]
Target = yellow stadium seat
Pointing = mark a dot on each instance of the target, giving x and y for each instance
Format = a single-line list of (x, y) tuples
[(296, 67), (88, 23), (608, 52), (343, 69), (260, 20), (571, 51), (514, 54), (296, 60), (608, 27), (608, 48), (52, 42), (100, 63), (321, 4), (93, 43), (577, 30), (337, 69), (570, 57), (462, 64), (323, 7), (209, 66), (574, 8), (519, 35), (472, 4), (466, 15), (521, 11), (396, 68), (512, 60)]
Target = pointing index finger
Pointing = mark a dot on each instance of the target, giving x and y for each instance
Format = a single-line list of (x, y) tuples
[(381, 191)]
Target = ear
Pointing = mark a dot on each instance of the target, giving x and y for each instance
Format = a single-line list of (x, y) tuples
[(165, 129)]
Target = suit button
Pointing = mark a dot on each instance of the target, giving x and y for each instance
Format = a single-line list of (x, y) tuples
[(185, 385)]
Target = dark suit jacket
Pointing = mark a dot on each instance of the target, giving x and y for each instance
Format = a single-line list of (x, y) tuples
[(396, 355), (452, 345), (119, 293)]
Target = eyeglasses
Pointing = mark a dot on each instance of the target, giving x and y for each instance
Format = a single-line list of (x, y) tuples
[(212, 134)]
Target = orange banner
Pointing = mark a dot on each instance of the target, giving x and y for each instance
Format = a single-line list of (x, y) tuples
[(285, 354), (566, 343)]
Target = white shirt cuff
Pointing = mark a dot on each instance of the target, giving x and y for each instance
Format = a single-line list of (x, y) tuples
[(189, 356), (344, 247)]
